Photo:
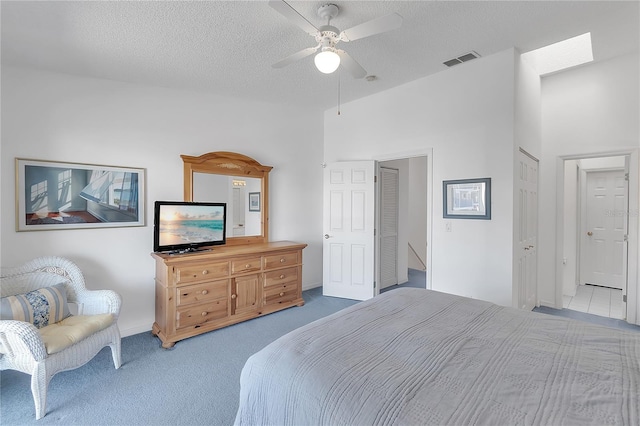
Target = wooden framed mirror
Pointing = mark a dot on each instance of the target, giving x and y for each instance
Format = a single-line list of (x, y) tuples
[(237, 180)]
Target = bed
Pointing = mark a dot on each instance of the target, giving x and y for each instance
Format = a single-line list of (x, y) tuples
[(420, 357)]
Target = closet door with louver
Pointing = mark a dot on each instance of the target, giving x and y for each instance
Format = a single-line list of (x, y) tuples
[(388, 227)]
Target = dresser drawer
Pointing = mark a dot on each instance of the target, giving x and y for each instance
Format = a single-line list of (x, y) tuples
[(245, 265), (281, 276), (280, 294), (202, 292), (200, 314), (200, 272), (280, 260)]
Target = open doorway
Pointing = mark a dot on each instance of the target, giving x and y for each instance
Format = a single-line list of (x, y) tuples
[(596, 206), (403, 224), (351, 217)]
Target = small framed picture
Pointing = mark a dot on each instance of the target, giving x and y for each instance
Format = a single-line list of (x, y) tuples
[(467, 199), (254, 201), (58, 195)]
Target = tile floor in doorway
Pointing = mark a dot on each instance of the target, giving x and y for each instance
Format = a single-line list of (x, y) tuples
[(602, 301)]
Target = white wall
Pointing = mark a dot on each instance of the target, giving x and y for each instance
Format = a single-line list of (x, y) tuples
[(252, 218), (66, 118), (528, 114), (586, 111), (601, 163), (466, 114)]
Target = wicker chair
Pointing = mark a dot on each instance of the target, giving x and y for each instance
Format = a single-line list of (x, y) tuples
[(21, 345)]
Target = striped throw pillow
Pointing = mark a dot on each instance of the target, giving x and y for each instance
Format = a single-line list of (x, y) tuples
[(41, 307)]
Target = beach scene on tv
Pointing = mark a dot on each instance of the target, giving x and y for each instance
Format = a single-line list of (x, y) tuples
[(190, 224)]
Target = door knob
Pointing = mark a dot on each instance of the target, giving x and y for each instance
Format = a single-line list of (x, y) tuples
[(327, 236), (589, 233)]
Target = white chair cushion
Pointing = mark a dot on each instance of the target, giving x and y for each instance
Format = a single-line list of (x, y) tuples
[(40, 307), (65, 333)]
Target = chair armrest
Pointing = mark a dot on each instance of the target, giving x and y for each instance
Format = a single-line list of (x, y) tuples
[(92, 302), (20, 338)]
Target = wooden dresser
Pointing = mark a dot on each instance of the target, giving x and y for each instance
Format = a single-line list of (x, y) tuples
[(200, 292)]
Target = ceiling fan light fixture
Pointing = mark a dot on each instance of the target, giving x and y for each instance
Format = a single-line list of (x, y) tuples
[(327, 61)]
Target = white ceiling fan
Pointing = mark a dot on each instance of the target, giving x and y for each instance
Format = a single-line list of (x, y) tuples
[(328, 36)]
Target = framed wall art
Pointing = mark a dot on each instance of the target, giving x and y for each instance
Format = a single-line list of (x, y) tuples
[(254, 201), (467, 198), (57, 195)]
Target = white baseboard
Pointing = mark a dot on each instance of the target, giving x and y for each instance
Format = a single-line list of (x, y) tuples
[(310, 286), (130, 331), (549, 304)]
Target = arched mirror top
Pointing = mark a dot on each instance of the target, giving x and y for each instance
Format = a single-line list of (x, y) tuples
[(226, 163), (247, 203)]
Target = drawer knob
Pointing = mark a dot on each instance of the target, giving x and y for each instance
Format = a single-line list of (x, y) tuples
[(205, 272), (204, 292), (281, 276), (281, 293), (233, 296), (204, 314), (247, 266), (282, 260)]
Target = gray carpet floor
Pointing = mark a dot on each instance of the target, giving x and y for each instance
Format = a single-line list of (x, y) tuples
[(195, 383)]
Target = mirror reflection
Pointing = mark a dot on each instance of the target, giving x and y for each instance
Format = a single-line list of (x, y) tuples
[(233, 190)]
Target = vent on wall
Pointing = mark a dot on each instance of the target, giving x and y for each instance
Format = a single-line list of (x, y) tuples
[(463, 58)]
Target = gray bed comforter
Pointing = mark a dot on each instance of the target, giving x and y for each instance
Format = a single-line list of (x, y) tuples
[(420, 357)]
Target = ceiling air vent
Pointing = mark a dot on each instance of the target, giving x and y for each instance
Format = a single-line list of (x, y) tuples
[(463, 58)]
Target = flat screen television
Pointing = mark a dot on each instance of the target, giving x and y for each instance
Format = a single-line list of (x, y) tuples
[(182, 227)]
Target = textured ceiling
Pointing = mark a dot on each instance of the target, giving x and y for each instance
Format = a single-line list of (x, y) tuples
[(227, 47)]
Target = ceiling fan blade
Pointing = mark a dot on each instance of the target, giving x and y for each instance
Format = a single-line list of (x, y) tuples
[(350, 64), (295, 57), (375, 26), (292, 15)]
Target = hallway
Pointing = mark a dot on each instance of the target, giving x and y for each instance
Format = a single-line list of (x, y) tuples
[(602, 301)]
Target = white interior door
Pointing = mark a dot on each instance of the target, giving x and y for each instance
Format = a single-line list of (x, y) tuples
[(389, 189), (348, 249), (527, 290), (238, 211), (603, 245)]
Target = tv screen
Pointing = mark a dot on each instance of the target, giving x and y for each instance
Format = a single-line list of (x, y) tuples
[(181, 226)]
